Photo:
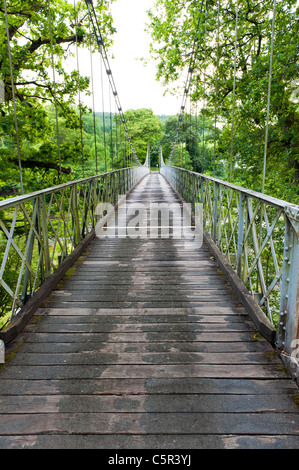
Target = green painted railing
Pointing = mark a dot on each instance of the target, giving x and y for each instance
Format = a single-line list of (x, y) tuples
[(39, 230), (258, 235)]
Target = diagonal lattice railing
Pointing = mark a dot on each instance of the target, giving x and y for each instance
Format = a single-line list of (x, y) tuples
[(258, 235), (39, 230)]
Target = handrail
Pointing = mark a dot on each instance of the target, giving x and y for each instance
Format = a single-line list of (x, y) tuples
[(249, 192), (6, 203), (39, 230), (258, 235)]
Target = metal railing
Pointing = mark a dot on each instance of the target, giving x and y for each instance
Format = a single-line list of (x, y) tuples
[(258, 235), (39, 230)]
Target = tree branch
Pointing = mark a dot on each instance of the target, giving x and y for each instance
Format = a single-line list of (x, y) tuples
[(58, 40), (38, 164)]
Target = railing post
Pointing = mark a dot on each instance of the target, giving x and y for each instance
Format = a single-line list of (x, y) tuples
[(118, 184), (215, 212), (74, 211), (29, 253), (240, 234), (202, 181), (122, 183), (94, 201), (288, 333), (194, 193), (203, 200), (86, 208)]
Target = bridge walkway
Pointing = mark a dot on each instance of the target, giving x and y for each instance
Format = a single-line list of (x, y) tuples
[(145, 345)]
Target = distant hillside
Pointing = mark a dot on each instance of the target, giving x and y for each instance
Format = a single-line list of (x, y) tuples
[(162, 117)]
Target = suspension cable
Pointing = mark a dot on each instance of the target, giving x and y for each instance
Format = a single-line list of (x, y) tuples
[(102, 49), (93, 106), (216, 87), (103, 116), (194, 54), (111, 133), (79, 89), (234, 94), (196, 136), (269, 96), (116, 137), (190, 131), (13, 98), (204, 97)]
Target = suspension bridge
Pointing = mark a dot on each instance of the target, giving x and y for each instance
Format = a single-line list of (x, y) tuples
[(147, 338)]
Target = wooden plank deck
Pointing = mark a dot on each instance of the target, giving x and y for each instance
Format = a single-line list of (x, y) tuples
[(144, 345)]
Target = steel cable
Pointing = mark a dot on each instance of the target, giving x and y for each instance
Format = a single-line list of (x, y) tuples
[(269, 96), (55, 94), (234, 97), (103, 52), (194, 54), (13, 98), (79, 88)]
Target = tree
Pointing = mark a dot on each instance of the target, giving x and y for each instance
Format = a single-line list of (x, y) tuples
[(32, 28), (196, 136), (144, 127)]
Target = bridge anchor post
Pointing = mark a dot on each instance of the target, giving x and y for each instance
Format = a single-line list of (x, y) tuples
[(288, 331)]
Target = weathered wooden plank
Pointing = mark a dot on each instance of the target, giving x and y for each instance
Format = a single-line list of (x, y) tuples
[(149, 423), (212, 302), (120, 348), (168, 328), (185, 264), (155, 285), (152, 258), (166, 244), (200, 277), (143, 278), (234, 336), (143, 371), (143, 312), (161, 386), (93, 358), (123, 267), (143, 294), (155, 289), (144, 319), (152, 441)]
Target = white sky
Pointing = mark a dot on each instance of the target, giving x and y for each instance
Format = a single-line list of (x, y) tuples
[(136, 84)]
